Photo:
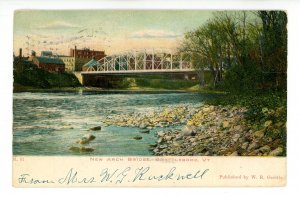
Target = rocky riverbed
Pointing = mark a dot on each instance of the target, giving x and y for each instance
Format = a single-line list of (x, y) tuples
[(169, 116), (210, 130)]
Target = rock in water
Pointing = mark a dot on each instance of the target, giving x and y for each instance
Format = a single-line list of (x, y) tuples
[(138, 137), (74, 149), (83, 141), (160, 134), (86, 149), (152, 145), (145, 131), (96, 128), (81, 149), (86, 139), (143, 126), (90, 137)]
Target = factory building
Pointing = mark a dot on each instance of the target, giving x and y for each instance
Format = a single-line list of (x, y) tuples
[(83, 56)]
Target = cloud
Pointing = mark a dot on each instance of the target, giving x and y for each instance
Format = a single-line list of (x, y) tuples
[(154, 34), (59, 25)]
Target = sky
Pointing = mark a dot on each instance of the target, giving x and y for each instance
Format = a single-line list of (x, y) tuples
[(108, 30)]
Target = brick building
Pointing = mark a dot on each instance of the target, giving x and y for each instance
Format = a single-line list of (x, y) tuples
[(50, 64), (82, 56), (86, 53)]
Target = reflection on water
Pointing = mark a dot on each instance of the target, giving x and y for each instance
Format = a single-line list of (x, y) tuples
[(50, 123)]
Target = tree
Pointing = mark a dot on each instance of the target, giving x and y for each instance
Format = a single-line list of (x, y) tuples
[(274, 47), (244, 51), (205, 43)]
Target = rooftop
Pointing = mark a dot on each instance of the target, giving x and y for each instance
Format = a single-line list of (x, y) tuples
[(91, 63), (50, 60)]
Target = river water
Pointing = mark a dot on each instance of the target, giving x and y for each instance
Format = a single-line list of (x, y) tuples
[(51, 123)]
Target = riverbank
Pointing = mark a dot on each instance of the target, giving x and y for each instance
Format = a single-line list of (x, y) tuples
[(224, 131), (250, 128), (131, 90)]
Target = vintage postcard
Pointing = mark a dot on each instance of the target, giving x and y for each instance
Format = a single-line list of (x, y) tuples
[(149, 98)]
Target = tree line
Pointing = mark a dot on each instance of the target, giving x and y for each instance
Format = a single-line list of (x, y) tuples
[(243, 50)]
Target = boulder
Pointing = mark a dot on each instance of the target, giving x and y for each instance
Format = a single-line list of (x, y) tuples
[(236, 137), (81, 149), (265, 149), (206, 109), (143, 126), (160, 140), (245, 145), (98, 128), (253, 146), (259, 134), (160, 134), (152, 145), (138, 137), (235, 153), (267, 123), (238, 128), (145, 131), (225, 124), (277, 152), (188, 131), (168, 138), (86, 149), (74, 149), (86, 139)]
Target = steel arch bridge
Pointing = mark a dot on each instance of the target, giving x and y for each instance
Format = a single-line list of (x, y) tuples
[(141, 61)]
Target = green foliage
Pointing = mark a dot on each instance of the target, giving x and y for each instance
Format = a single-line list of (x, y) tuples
[(266, 110), (34, 77), (165, 83), (241, 79), (122, 83), (245, 51)]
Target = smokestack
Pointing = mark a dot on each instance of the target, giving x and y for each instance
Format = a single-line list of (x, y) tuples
[(75, 51), (20, 53)]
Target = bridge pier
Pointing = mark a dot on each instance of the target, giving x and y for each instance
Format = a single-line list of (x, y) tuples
[(79, 76)]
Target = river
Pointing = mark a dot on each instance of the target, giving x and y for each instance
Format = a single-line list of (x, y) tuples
[(51, 123)]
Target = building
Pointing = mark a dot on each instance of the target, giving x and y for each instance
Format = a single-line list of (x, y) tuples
[(51, 64), (46, 54), (69, 63), (86, 53), (67, 60), (82, 56)]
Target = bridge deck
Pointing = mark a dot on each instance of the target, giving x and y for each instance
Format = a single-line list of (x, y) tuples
[(148, 71)]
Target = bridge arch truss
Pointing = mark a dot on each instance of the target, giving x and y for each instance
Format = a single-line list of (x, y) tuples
[(144, 60)]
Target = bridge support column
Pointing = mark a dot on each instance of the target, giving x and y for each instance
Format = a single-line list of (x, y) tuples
[(79, 77)]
